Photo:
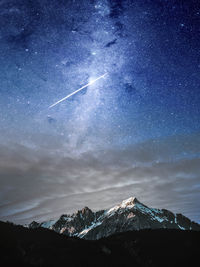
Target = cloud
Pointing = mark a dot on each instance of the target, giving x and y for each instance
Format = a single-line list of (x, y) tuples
[(42, 182)]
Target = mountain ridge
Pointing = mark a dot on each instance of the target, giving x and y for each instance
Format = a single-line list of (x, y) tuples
[(129, 215)]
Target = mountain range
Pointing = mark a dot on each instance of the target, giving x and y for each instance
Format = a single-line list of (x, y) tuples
[(129, 215)]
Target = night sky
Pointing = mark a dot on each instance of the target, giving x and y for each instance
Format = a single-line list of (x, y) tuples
[(135, 132)]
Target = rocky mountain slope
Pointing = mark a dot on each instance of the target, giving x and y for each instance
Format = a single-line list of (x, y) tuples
[(128, 216)]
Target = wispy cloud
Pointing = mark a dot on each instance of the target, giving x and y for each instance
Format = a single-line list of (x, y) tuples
[(39, 183)]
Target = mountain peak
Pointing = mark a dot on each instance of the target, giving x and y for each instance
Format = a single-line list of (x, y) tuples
[(86, 210), (129, 202)]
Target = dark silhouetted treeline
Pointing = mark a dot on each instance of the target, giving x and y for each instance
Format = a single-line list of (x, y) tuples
[(40, 247)]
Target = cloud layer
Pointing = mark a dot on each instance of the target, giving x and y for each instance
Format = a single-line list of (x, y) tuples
[(41, 182)]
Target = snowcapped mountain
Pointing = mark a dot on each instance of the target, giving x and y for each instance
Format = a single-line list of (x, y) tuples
[(127, 216)]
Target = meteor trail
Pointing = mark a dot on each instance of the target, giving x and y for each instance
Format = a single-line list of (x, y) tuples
[(90, 83)]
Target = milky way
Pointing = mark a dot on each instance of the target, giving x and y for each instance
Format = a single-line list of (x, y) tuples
[(134, 133), (78, 90)]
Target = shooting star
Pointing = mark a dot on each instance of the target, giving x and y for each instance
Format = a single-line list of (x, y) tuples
[(90, 83)]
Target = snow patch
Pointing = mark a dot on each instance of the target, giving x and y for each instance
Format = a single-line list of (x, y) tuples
[(67, 219), (130, 202), (85, 231), (182, 228), (126, 204), (152, 212), (48, 224)]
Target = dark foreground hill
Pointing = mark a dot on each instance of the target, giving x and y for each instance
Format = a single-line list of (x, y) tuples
[(41, 247)]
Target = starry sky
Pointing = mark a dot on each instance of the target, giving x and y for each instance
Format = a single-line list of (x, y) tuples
[(135, 132)]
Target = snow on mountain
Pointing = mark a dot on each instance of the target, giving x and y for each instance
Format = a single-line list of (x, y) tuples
[(85, 231), (48, 224), (129, 215)]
